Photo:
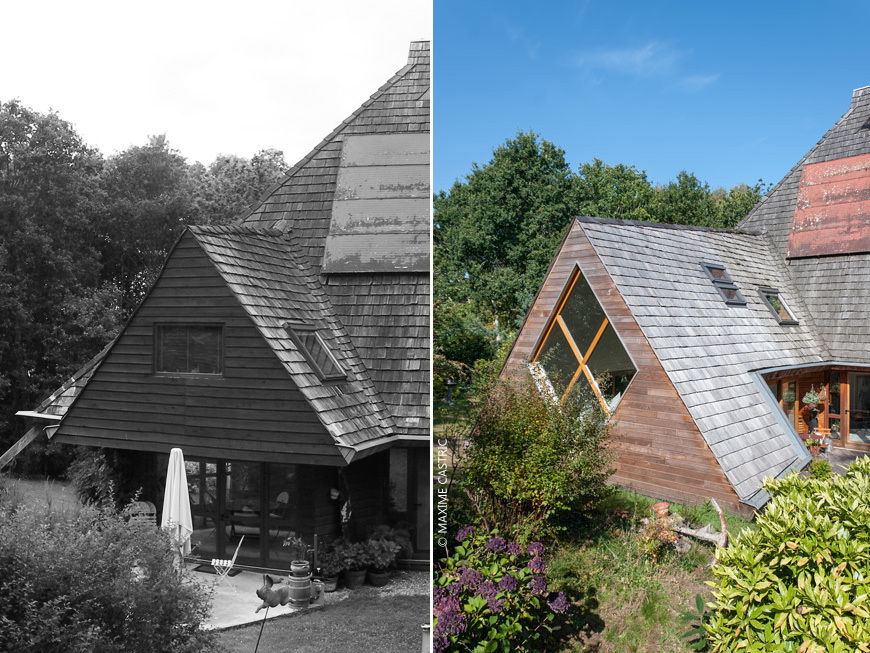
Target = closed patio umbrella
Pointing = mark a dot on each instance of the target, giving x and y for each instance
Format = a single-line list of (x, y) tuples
[(176, 503)]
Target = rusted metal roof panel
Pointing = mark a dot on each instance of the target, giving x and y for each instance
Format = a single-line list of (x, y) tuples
[(832, 215), (380, 213)]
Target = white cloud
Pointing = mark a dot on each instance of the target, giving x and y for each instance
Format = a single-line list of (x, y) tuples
[(697, 82)]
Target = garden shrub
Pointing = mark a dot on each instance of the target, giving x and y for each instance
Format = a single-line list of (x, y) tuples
[(529, 461), (656, 538), (92, 477), (493, 595), (800, 581), (820, 469), (86, 580)]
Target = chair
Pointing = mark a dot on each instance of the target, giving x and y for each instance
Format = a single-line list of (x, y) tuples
[(143, 513), (222, 568)]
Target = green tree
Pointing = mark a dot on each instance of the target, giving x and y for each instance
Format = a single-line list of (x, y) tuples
[(618, 191), (496, 232)]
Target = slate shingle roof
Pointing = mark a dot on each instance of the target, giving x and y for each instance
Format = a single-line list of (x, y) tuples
[(706, 347), (835, 288), (386, 315), (274, 284)]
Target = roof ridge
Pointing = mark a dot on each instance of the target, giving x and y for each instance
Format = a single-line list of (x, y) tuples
[(664, 225), (329, 137)]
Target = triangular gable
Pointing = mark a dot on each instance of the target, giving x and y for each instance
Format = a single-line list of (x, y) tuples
[(254, 411)]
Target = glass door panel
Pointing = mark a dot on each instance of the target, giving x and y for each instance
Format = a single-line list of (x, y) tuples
[(789, 402), (284, 496), (859, 408), (242, 512), (202, 481)]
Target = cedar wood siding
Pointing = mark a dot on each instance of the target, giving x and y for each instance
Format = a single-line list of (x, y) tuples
[(252, 412), (660, 451)]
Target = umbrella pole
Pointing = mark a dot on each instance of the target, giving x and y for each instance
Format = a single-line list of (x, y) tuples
[(261, 629)]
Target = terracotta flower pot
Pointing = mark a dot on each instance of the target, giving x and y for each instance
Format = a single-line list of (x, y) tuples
[(662, 509), (300, 568), (330, 583)]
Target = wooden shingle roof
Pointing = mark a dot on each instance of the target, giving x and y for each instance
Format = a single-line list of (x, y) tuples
[(707, 348), (276, 285), (835, 288), (385, 310)]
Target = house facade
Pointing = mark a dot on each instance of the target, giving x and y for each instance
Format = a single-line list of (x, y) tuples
[(288, 354), (703, 344)]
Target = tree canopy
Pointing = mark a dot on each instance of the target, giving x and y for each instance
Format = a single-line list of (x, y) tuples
[(82, 236), (496, 231)]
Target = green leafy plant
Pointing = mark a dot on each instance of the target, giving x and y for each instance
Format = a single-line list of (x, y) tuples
[(399, 536), (87, 580), (354, 556), (382, 554), (800, 581), (820, 469), (656, 537), (529, 461), (493, 595), (811, 398), (696, 636), (298, 548), (330, 564)]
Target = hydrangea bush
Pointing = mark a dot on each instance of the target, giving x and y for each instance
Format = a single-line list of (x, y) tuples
[(801, 580), (492, 594)]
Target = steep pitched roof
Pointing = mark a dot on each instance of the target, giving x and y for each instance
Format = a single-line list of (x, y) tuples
[(302, 201), (386, 312), (707, 348), (275, 285), (830, 285)]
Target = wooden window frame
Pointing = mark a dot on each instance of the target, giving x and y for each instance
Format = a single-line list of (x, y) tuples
[(294, 329), (583, 358), (157, 356), (763, 292), (721, 285)]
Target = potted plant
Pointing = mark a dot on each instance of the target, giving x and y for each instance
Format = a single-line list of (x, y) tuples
[(299, 564), (354, 560), (382, 554), (812, 399), (815, 446), (330, 568)]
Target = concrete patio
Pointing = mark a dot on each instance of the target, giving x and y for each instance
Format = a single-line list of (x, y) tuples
[(235, 600), (841, 457)]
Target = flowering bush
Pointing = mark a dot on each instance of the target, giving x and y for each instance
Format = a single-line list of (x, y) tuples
[(656, 537), (492, 595)]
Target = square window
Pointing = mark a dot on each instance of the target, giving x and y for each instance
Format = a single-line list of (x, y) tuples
[(188, 349), (723, 283)]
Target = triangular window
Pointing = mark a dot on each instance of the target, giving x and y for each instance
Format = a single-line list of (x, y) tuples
[(581, 351)]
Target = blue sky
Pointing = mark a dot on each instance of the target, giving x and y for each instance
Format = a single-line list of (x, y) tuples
[(733, 92)]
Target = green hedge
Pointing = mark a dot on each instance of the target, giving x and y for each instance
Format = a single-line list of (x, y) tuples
[(801, 580)]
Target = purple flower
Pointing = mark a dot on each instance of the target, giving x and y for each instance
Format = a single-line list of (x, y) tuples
[(536, 549), (538, 565), (470, 578), (451, 622), (507, 583), (514, 549), (463, 533), (538, 585), (559, 603), (487, 590), (440, 644), (496, 544), (495, 604)]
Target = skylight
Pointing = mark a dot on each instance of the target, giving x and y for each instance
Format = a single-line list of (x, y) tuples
[(774, 301), (316, 352), (723, 283)]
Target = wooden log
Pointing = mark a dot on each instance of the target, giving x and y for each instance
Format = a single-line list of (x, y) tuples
[(19, 446)]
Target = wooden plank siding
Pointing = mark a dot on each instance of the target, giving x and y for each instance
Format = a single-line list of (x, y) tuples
[(660, 451), (253, 411)]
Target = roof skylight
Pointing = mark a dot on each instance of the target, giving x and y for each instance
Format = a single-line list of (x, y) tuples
[(314, 349), (774, 301), (723, 283)]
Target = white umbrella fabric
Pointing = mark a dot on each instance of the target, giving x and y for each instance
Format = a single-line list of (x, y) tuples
[(176, 503)]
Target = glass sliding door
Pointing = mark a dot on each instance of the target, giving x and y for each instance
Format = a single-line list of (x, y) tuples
[(202, 487), (859, 408), (242, 509)]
